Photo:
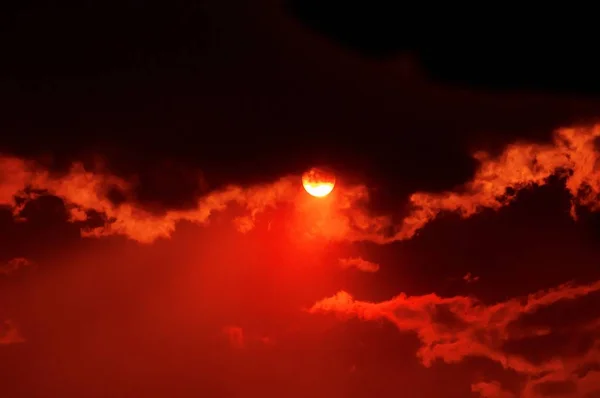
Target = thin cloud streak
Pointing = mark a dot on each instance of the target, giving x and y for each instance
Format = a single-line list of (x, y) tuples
[(359, 263)]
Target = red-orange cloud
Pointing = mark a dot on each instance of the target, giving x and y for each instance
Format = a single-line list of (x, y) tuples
[(340, 216), (359, 263), (343, 215), (491, 389), (450, 329), (572, 154), (454, 328)]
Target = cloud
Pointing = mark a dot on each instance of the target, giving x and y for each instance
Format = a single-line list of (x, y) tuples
[(491, 389), (84, 191), (565, 385), (342, 216), (359, 264), (13, 265), (339, 217), (13, 178), (9, 334), (573, 154), (451, 329)]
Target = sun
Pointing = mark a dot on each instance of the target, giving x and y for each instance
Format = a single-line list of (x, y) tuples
[(318, 182)]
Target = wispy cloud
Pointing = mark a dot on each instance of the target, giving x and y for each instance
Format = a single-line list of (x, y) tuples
[(454, 328), (14, 265), (359, 264)]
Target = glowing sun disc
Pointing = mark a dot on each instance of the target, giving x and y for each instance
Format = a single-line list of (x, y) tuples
[(318, 182), (318, 190)]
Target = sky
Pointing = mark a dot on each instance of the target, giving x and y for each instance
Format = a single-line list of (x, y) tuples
[(156, 239)]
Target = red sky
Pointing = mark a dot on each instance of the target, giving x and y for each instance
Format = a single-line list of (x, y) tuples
[(257, 289), (156, 241)]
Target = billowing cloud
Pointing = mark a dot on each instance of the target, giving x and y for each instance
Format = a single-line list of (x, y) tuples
[(84, 191), (359, 263), (573, 154), (453, 328)]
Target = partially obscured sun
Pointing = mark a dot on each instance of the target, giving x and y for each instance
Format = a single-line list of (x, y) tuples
[(318, 182)]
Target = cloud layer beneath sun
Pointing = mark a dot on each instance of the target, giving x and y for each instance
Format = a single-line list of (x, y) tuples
[(450, 329)]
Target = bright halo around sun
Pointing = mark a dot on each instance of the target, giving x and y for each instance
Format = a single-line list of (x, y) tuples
[(318, 182)]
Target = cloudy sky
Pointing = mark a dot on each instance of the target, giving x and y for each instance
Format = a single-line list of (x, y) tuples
[(156, 241)]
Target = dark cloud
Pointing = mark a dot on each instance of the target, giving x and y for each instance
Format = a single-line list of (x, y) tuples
[(264, 99)]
